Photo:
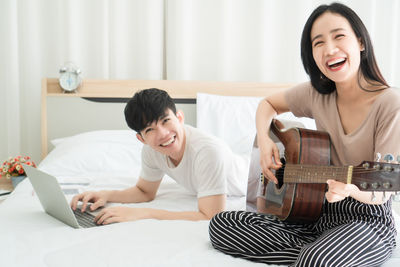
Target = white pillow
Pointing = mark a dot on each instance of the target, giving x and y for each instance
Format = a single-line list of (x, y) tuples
[(232, 118), (108, 152)]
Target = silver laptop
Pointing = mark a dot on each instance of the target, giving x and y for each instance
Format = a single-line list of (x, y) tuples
[(53, 200)]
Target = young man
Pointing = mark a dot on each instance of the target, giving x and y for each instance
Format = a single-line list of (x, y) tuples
[(202, 164)]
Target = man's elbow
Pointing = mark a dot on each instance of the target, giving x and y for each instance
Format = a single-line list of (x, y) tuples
[(146, 196), (149, 197), (210, 215)]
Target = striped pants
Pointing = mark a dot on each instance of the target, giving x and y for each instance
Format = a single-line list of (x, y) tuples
[(349, 233)]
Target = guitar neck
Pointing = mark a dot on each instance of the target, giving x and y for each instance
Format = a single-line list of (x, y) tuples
[(303, 173)]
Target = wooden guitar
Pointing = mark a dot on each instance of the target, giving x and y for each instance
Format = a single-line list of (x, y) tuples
[(300, 193)]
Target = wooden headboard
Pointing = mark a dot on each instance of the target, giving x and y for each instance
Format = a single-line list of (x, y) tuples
[(122, 90)]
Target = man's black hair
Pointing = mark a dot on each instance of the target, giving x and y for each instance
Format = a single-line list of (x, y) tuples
[(147, 106)]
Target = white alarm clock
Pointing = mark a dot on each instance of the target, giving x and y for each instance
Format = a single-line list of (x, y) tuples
[(70, 78)]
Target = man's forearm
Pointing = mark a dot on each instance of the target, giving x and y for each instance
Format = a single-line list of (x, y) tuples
[(208, 207), (130, 195), (174, 215)]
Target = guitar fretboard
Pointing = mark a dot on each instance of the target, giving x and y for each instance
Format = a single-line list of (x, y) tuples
[(299, 173)]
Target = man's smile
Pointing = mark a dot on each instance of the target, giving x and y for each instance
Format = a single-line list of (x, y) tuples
[(170, 141)]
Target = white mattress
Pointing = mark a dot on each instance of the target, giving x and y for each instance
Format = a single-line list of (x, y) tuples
[(30, 237)]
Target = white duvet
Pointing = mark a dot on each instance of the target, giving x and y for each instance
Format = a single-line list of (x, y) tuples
[(30, 237)]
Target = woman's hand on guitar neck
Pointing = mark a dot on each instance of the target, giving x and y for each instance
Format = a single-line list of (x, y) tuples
[(269, 159), (338, 191)]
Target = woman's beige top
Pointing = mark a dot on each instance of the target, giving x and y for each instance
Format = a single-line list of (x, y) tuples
[(379, 132)]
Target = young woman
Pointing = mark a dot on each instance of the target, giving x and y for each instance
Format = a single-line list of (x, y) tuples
[(350, 100)]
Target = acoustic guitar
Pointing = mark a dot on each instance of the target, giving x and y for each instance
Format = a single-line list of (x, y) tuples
[(300, 192)]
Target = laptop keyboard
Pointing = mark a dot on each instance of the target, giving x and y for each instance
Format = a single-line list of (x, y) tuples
[(84, 219)]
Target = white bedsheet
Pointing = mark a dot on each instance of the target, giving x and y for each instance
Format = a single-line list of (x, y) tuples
[(30, 237)]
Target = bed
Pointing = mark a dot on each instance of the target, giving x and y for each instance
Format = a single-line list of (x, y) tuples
[(99, 152)]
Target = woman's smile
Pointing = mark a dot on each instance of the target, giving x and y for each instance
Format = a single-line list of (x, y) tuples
[(336, 64)]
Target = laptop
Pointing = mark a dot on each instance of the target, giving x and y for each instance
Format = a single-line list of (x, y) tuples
[(53, 200)]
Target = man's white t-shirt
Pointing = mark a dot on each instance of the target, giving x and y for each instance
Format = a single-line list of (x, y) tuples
[(208, 167)]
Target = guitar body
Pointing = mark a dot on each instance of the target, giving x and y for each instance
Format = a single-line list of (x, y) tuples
[(297, 202), (300, 193)]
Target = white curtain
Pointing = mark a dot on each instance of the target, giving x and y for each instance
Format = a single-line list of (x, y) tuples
[(259, 40), (110, 39), (226, 40)]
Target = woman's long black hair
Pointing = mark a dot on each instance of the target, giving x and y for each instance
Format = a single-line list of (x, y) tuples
[(368, 66)]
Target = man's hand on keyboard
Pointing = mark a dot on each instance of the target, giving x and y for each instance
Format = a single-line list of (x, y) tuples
[(98, 198), (120, 214)]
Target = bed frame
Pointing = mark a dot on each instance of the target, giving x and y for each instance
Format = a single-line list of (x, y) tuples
[(120, 91)]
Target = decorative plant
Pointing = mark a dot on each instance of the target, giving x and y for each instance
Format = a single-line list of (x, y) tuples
[(13, 167)]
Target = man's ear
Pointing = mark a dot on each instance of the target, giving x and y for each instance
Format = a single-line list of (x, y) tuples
[(140, 138), (180, 116)]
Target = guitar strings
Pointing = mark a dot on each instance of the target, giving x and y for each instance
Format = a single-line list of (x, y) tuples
[(320, 168), (323, 172)]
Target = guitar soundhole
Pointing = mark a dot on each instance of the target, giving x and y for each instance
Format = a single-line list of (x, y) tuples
[(279, 173)]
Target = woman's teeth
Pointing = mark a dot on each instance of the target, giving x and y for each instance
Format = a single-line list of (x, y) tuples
[(336, 62)]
